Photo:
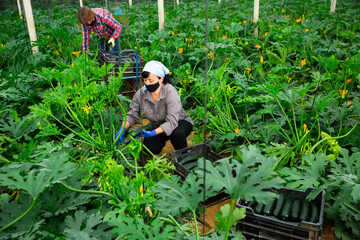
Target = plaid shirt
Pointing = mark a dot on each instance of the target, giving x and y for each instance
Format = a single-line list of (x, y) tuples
[(105, 25)]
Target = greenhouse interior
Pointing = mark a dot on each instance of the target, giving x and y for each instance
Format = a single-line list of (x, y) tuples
[(207, 119)]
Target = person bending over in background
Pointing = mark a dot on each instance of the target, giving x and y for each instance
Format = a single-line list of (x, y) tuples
[(101, 22), (159, 101)]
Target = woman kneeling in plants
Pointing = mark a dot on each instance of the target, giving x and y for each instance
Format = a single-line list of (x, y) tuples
[(159, 101)]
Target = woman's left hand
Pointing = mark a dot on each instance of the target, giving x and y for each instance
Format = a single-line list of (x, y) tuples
[(147, 133)]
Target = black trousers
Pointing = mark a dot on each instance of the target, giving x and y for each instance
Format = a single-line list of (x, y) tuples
[(178, 138)]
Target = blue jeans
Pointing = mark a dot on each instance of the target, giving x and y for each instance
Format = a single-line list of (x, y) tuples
[(116, 48)]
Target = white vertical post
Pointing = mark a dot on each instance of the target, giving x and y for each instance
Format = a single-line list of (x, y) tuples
[(19, 8), (106, 4), (81, 3), (178, 2), (256, 16), (219, 1), (161, 14), (333, 5), (130, 3), (30, 24)]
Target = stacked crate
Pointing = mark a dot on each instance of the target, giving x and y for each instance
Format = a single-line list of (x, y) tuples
[(132, 73)]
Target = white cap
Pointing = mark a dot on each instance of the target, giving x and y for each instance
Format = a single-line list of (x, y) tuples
[(157, 68)]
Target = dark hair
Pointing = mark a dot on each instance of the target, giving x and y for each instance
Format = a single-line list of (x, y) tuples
[(167, 79), (85, 14)]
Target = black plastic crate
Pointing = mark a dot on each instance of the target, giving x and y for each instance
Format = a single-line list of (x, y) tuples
[(132, 73), (256, 226), (201, 150)]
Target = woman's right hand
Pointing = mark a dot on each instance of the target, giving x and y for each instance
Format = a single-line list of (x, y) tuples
[(120, 133)]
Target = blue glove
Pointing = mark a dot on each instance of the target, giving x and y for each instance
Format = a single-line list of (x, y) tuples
[(147, 133), (118, 12), (122, 132)]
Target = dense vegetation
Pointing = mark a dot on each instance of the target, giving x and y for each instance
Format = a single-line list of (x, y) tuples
[(284, 105)]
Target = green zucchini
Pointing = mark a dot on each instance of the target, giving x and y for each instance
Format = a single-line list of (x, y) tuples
[(279, 204), (286, 210), (305, 211), (189, 159), (295, 211), (259, 207), (190, 162), (269, 208), (250, 204), (137, 132), (191, 165), (314, 213)]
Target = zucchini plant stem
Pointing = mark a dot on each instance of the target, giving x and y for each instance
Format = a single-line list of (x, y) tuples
[(330, 138), (352, 208), (171, 220), (228, 220), (294, 121), (207, 233), (288, 120), (91, 142), (283, 132), (195, 224), (133, 167), (319, 133), (20, 217), (89, 191)]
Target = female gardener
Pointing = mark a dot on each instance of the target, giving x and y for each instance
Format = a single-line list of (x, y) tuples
[(101, 22), (159, 101)]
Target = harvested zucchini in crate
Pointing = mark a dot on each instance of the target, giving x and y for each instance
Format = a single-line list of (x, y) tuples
[(279, 204), (259, 207), (286, 209), (269, 208), (250, 203), (295, 211), (293, 217), (314, 213), (190, 162), (305, 211)]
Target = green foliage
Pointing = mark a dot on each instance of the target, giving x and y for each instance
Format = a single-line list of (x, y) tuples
[(159, 168), (85, 226), (44, 217), (219, 236), (249, 179), (275, 58), (11, 210), (80, 104), (310, 173), (222, 217), (263, 94), (58, 201), (130, 228), (40, 177), (9, 149), (342, 186), (18, 128), (174, 198)]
